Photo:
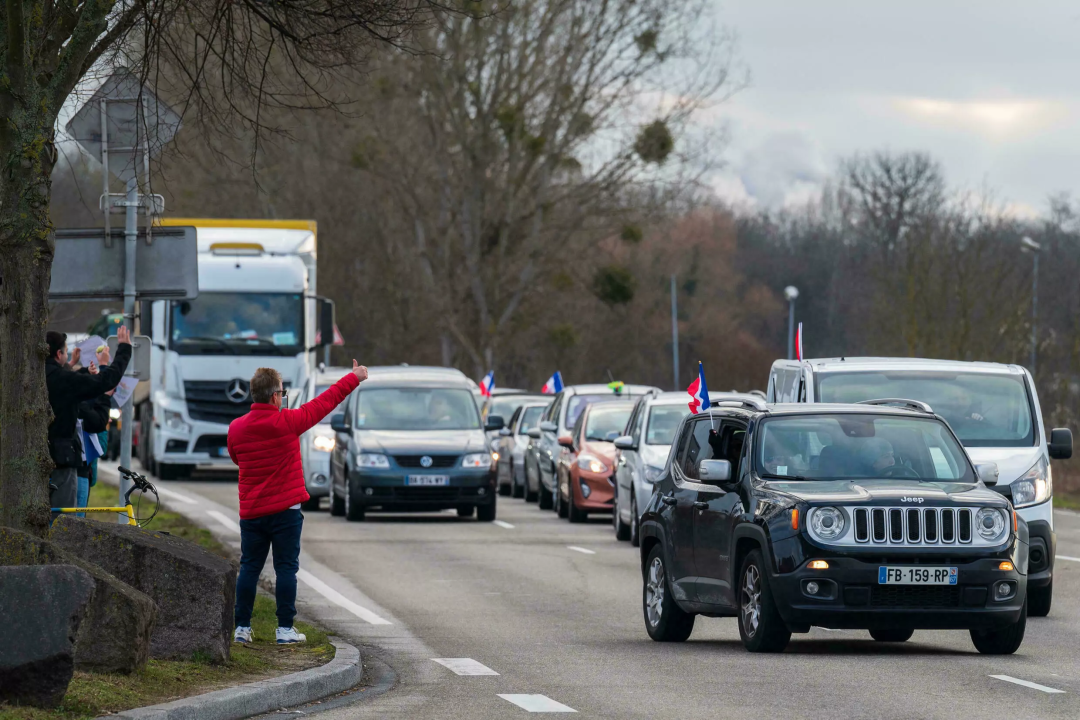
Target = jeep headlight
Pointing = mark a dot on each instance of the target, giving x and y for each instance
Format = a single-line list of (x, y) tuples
[(827, 522), (990, 523), (1035, 486), (324, 443), (476, 460)]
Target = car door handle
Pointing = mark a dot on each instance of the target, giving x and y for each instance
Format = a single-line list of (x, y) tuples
[(669, 500), (701, 505)]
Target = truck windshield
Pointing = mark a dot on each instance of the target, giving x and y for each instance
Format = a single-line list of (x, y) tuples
[(865, 446), (416, 408), (217, 323), (984, 410)]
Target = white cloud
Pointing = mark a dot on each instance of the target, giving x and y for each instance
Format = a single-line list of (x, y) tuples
[(995, 119)]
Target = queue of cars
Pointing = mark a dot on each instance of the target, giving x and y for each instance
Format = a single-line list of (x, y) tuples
[(881, 494)]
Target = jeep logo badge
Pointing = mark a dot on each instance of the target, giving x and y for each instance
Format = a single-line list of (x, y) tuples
[(912, 499), (237, 391), (425, 461)]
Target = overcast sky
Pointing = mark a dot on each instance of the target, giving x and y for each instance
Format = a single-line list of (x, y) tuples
[(990, 87)]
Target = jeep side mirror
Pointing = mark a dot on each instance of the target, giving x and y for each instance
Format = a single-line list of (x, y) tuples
[(494, 422), (534, 433), (548, 426), (337, 423), (566, 441), (714, 472), (625, 442), (988, 472), (1060, 445)]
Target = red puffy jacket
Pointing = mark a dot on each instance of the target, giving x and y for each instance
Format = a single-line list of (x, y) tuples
[(265, 443)]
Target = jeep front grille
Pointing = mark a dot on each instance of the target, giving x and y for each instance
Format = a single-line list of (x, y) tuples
[(912, 526)]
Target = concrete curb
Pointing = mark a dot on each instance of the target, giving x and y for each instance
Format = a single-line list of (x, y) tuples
[(338, 675)]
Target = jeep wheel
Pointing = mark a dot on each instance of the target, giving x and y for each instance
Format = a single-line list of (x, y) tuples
[(635, 537), (891, 634), (760, 625), (354, 511), (486, 513), (665, 621), (1004, 640), (1039, 600), (337, 505)]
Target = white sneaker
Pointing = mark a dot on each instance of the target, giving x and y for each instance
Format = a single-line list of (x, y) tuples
[(289, 635), (242, 635)]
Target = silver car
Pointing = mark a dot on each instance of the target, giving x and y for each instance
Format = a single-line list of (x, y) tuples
[(513, 441), (318, 442), (642, 452)]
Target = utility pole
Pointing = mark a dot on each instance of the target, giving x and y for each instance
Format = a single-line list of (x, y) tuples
[(790, 294), (1030, 246), (674, 332)]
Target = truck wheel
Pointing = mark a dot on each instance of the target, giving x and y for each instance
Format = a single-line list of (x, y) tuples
[(1039, 600), (1001, 641), (665, 621), (891, 634), (354, 511), (486, 513), (760, 625), (337, 505)]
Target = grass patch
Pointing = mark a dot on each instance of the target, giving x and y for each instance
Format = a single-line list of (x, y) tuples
[(1067, 500), (91, 695)]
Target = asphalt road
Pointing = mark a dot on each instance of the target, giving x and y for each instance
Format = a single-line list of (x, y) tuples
[(555, 610)]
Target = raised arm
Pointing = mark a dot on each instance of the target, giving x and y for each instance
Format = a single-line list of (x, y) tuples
[(88, 387), (312, 412)]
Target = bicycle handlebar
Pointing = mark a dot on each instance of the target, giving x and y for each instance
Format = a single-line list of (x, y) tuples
[(139, 482)]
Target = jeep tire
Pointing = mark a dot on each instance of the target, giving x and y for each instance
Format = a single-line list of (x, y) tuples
[(1002, 640), (760, 625), (665, 621), (891, 634)]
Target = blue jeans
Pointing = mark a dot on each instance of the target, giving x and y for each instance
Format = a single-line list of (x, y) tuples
[(82, 493), (280, 531)]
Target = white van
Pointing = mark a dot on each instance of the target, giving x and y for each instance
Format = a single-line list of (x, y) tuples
[(994, 411)]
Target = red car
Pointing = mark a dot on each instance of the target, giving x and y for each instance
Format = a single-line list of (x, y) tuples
[(586, 465)]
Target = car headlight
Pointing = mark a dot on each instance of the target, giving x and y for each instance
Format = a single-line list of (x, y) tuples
[(175, 422), (372, 460), (476, 460), (324, 443), (652, 474), (827, 522), (1035, 486), (990, 522), (114, 413), (591, 463)]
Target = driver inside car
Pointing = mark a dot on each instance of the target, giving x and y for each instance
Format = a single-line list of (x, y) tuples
[(877, 455)]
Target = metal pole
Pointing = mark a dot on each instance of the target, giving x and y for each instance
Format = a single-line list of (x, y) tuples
[(674, 333), (791, 330), (1034, 310), (127, 414), (105, 172)]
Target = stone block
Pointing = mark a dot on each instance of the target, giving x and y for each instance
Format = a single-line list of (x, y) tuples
[(42, 607), (115, 633), (193, 588)]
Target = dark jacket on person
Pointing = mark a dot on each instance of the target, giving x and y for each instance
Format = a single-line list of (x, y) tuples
[(67, 390)]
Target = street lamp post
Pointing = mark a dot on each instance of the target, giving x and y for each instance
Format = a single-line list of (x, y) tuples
[(1030, 246), (790, 294)]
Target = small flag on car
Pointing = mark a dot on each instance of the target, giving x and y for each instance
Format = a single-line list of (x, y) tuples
[(553, 384), (487, 384), (798, 343), (699, 392)]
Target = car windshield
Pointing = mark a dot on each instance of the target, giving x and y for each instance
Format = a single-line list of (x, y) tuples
[(830, 447), (416, 408), (578, 403), (663, 422), (238, 324), (530, 418), (984, 410), (606, 419), (323, 388)]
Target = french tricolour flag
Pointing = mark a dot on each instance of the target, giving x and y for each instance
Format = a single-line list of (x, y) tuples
[(798, 344), (487, 384), (699, 392), (553, 384)]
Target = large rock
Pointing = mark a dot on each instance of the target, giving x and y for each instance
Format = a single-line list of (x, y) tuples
[(115, 634), (41, 609), (194, 589)]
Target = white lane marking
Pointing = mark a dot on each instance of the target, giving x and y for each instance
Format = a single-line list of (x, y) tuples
[(225, 520), (575, 548), (465, 666), (338, 599), (176, 496), (537, 703), (502, 524), (1025, 683), (1066, 557)]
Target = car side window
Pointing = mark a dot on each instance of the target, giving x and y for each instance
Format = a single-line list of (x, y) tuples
[(513, 420), (699, 447), (578, 425), (729, 444), (638, 421)]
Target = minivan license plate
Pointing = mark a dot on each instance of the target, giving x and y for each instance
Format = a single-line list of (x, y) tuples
[(907, 575), (428, 480)]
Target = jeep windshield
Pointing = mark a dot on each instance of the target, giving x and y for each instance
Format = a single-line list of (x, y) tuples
[(859, 445), (416, 408), (983, 409)]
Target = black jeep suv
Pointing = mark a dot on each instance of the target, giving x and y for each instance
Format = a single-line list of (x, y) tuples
[(842, 516)]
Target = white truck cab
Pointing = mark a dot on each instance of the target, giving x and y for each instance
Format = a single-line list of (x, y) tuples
[(994, 411), (256, 308)]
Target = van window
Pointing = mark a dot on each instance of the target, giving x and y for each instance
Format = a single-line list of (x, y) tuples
[(983, 409)]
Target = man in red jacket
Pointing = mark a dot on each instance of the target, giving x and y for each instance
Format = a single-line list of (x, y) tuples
[(265, 443)]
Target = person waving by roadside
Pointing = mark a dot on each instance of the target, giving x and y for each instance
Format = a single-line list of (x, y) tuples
[(265, 444)]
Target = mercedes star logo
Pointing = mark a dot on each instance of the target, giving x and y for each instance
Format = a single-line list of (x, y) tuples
[(237, 391), (425, 461)]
